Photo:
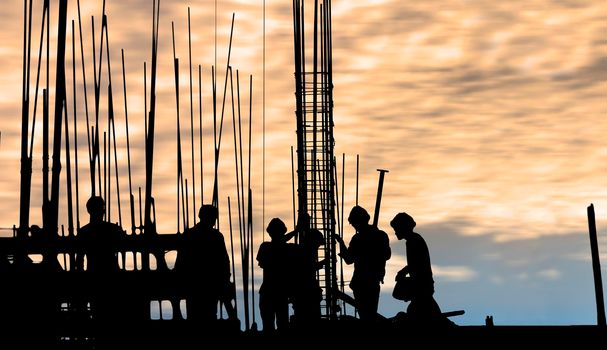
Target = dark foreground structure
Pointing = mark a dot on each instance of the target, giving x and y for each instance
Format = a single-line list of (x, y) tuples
[(48, 301), (51, 308)]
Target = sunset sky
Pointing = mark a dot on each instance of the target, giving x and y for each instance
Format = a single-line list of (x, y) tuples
[(490, 116)]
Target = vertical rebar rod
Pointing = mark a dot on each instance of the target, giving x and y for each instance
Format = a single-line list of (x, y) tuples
[(180, 186), (45, 155), (86, 107), (38, 69), (145, 102), (357, 172), (200, 133), (236, 157), (263, 130), (112, 123), (292, 188), (26, 162), (251, 244), (59, 105), (232, 254), (341, 225), (68, 177), (105, 193), (117, 175), (128, 147), (251, 236), (192, 120), (242, 186), (218, 144), (77, 183), (150, 226)]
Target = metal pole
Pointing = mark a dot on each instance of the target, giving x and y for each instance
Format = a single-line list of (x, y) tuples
[(218, 144), (128, 149), (200, 133), (86, 107), (70, 206), (236, 158), (293, 189), (232, 255), (59, 105), (357, 172), (42, 32), (77, 184), (596, 268), (192, 120), (26, 162)]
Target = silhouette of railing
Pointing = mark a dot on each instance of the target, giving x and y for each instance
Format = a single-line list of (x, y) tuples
[(60, 297)]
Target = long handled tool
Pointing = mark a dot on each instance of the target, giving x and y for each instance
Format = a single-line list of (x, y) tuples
[(380, 188)]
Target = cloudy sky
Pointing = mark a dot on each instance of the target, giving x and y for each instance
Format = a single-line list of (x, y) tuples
[(489, 115)]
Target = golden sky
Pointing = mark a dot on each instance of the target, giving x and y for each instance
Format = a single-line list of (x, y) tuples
[(489, 115)]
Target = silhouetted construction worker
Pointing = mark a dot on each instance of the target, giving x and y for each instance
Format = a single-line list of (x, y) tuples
[(99, 242), (203, 262), (423, 309), (307, 293), (275, 258), (369, 250)]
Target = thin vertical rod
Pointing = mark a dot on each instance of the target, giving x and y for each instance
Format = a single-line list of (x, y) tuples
[(77, 184), (26, 162), (105, 194), (70, 206), (97, 83), (45, 154), (252, 238), (150, 228), (42, 32), (357, 172), (293, 188), (145, 101), (251, 247), (218, 145), (116, 171), (180, 186), (263, 132), (59, 105), (113, 124), (250, 126), (232, 252), (236, 158), (186, 210), (341, 224), (200, 133), (192, 120), (128, 148), (242, 187), (86, 107)]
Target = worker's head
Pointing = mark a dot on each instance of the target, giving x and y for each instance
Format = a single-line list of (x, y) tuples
[(95, 206), (36, 231), (208, 215), (358, 217), (276, 229), (403, 225)]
